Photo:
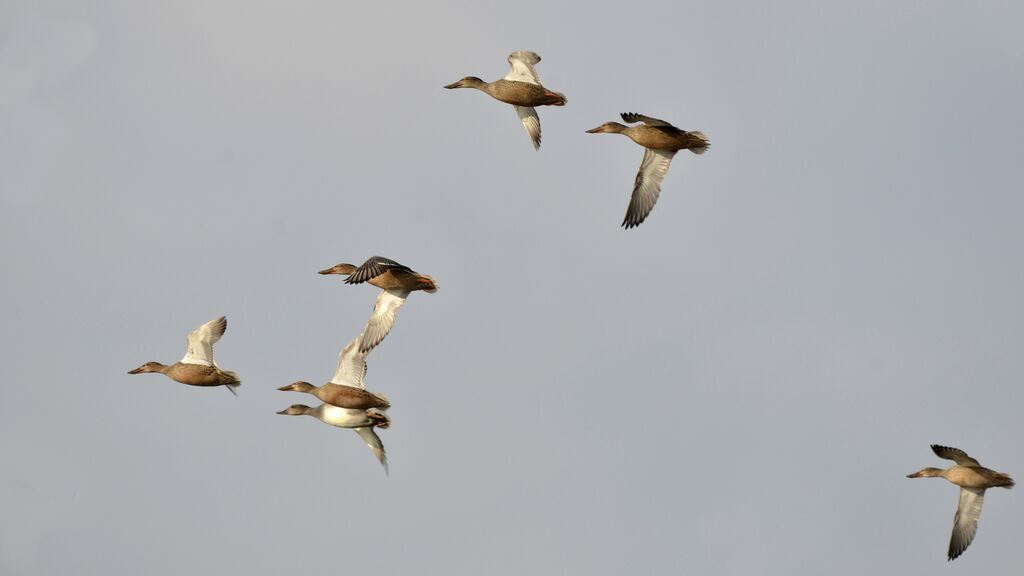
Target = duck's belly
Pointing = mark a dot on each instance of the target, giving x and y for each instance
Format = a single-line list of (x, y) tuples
[(969, 478)]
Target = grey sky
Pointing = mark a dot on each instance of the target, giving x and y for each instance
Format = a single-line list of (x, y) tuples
[(736, 387)]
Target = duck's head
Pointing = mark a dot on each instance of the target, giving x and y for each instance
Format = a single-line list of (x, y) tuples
[(926, 473), (296, 410), (607, 128), (149, 367), (339, 269), (467, 82), (299, 386)]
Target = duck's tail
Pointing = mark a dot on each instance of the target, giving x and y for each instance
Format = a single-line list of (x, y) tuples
[(233, 383), (383, 399), (1006, 481), (556, 98), (703, 143), (426, 283)]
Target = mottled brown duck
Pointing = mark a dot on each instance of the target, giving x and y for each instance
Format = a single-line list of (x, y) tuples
[(347, 403), (973, 479), (346, 389), (661, 141), (396, 282), (197, 368), (521, 88)]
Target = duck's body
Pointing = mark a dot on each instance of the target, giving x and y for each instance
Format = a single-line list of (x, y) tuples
[(198, 368), (347, 403), (385, 274), (191, 374), (973, 479), (514, 92), (396, 282), (341, 395), (661, 141), (340, 417), (521, 88)]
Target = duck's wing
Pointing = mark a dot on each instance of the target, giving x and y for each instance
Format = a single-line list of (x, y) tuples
[(531, 122), (201, 341), (647, 187), (631, 117), (369, 435), (373, 267), (522, 70), (965, 523), (383, 318), (351, 365), (955, 454)]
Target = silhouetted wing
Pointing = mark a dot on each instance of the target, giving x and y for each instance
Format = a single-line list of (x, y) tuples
[(374, 267), (955, 454)]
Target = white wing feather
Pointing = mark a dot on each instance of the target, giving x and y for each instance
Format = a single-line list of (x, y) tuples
[(522, 70), (351, 365), (531, 122), (373, 441), (383, 318), (647, 187), (965, 523), (201, 341)]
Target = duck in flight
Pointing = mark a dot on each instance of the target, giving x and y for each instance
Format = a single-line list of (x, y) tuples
[(973, 479), (661, 141), (197, 368), (521, 88), (396, 283), (347, 403)]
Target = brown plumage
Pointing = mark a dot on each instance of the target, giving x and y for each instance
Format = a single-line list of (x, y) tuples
[(973, 479), (661, 141), (191, 374), (384, 273), (513, 92), (198, 368), (521, 88), (341, 395)]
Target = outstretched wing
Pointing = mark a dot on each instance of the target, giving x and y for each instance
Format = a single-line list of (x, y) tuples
[(201, 341), (647, 187), (369, 435), (522, 70), (531, 122), (631, 117), (374, 267), (965, 523), (383, 318), (955, 454), (351, 365)]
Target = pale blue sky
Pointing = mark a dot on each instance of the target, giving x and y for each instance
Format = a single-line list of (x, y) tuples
[(736, 387)]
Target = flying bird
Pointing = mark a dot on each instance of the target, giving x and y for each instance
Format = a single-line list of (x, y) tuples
[(521, 88), (347, 403), (973, 479), (197, 368), (396, 283), (661, 141)]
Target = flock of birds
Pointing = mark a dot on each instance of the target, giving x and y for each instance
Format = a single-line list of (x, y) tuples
[(522, 89), (346, 403)]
